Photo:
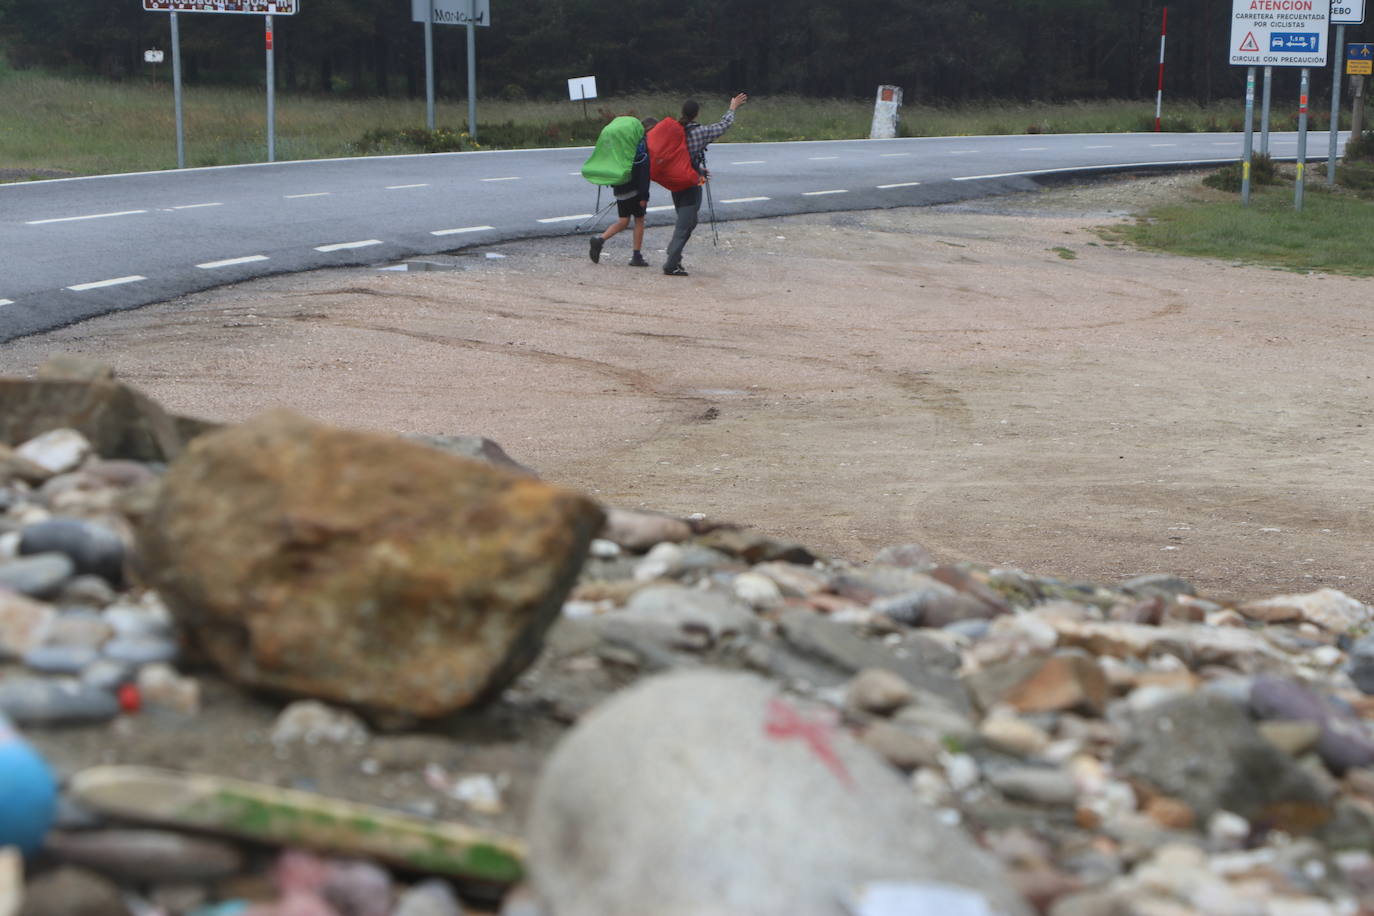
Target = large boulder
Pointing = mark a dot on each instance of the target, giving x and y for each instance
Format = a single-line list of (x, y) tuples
[(360, 568), (712, 792)]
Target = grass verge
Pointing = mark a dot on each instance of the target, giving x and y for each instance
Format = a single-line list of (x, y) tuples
[(1331, 234), (89, 127)]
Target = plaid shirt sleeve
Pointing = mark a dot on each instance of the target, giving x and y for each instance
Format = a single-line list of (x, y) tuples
[(699, 136)]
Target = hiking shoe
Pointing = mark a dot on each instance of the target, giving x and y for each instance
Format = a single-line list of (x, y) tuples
[(597, 242), (638, 261), (675, 272)]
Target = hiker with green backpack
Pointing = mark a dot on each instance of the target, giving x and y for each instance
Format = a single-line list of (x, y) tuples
[(622, 142)]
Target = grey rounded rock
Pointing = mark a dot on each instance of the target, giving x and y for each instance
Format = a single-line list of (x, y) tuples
[(1361, 667), (140, 650), (59, 659), (94, 548), (108, 675), (87, 591), (38, 576), (706, 791), (51, 701)]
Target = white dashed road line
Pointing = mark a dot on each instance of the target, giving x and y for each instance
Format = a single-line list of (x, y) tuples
[(507, 178), (72, 219), (195, 206), (404, 187), (659, 209), (1107, 146), (564, 219), (343, 246), (892, 155), (82, 287), (821, 158), (251, 259), (900, 184), (460, 231), (744, 200), (6, 302), (820, 193), (749, 162), (1032, 149), (316, 194), (1163, 144)]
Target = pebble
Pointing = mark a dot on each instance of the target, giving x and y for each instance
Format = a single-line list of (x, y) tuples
[(58, 451), (758, 591), (1014, 736), (60, 659), (37, 575), (24, 624), (312, 722), (1035, 785), (86, 591), (429, 898), (878, 691), (147, 855), (108, 675), (93, 548), (53, 701), (160, 686), (140, 650)]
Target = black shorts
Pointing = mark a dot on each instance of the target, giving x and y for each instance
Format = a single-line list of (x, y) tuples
[(630, 207)]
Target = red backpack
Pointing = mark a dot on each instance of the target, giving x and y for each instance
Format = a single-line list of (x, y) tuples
[(669, 163)]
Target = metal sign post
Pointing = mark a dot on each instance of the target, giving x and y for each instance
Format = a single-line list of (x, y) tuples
[(1302, 140), (176, 93), (472, 69), (429, 66), (1334, 128), (271, 96), (1249, 136), (1264, 114)]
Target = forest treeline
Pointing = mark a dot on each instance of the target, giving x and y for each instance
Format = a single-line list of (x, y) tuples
[(938, 51)]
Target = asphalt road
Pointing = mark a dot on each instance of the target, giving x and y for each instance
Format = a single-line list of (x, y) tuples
[(71, 249)]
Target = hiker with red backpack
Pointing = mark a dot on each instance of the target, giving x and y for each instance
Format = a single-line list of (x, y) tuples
[(677, 150)]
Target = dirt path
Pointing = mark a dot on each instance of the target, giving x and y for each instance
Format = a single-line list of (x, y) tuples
[(992, 381)]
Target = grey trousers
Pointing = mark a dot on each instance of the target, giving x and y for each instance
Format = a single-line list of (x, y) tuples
[(688, 206)]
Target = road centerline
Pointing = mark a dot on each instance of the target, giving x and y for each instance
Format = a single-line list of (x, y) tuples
[(404, 187), (230, 262), (461, 230), (344, 246), (72, 219), (312, 194), (100, 284)]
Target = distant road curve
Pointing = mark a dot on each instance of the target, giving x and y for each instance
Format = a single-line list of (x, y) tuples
[(74, 248)]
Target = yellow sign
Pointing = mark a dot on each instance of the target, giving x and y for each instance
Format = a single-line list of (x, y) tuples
[(1359, 67)]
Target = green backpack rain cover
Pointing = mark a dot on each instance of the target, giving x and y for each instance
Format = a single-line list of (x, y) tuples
[(610, 162)]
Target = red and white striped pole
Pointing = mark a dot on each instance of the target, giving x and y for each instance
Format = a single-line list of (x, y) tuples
[(1159, 92)]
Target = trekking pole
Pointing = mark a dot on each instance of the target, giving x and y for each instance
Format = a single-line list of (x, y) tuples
[(711, 205)]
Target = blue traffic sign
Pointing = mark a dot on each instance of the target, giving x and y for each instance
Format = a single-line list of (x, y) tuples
[(1359, 51), (1302, 42)]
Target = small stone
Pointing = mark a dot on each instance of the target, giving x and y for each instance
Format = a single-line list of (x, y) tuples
[(95, 549), (50, 701), (131, 622), (60, 659), (1047, 684), (84, 628), (72, 891), (1361, 666), (11, 880), (1329, 609), (24, 624), (358, 888), (877, 691), (759, 592), (603, 549), (901, 748), (1035, 785), (430, 898), (312, 722), (1293, 738), (147, 855), (38, 575), (1171, 813), (140, 650), (794, 580), (108, 675), (639, 531), (662, 562), (58, 451), (1014, 736), (1227, 832), (160, 685)]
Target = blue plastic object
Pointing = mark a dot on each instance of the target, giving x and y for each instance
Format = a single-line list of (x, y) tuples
[(28, 792)]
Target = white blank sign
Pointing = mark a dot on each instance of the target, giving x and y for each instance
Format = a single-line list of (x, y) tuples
[(582, 87)]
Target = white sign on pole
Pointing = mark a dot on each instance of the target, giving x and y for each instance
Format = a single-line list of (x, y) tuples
[(1279, 33), (451, 12), (1347, 12), (257, 7), (152, 57), (582, 87)]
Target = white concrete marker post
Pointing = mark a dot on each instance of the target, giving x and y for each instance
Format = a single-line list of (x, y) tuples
[(885, 113)]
